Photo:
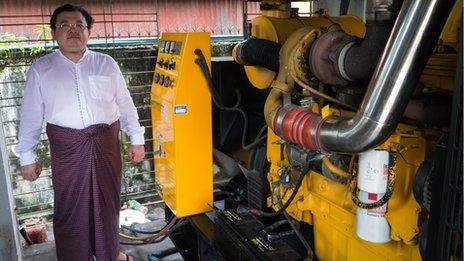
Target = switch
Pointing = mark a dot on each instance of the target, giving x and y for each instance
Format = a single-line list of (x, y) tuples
[(167, 82), (177, 47), (166, 64), (172, 65), (172, 48), (156, 77)]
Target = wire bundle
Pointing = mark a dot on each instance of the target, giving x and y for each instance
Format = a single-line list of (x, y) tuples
[(158, 235), (201, 62)]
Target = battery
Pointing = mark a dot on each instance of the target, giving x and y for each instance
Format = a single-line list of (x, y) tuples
[(237, 237)]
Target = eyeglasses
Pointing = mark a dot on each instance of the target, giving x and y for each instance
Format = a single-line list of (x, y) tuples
[(67, 26)]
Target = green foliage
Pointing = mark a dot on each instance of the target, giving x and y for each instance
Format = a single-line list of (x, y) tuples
[(43, 32), (10, 42)]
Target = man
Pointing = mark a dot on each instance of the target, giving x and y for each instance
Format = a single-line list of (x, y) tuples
[(84, 100)]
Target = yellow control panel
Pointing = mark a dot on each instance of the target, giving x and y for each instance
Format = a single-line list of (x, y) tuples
[(182, 131)]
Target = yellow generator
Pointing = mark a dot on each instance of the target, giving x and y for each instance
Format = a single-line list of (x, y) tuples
[(356, 152), (181, 115)]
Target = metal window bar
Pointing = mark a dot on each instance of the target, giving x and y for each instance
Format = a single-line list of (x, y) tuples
[(248, 16), (130, 38)]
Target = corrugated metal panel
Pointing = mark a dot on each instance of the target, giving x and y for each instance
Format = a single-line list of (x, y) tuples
[(218, 17), (124, 18), (121, 19)]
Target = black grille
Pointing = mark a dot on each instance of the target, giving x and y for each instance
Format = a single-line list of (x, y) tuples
[(445, 239)]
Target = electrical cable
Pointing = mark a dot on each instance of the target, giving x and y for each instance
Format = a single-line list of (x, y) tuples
[(139, 241), (295, 228), (274, 225), (287, 203), (320, 94), (149, 238), (121, 234), (162, 238), (260, 139), (201, 62), (271, 236), (163, 233), (135, 230)]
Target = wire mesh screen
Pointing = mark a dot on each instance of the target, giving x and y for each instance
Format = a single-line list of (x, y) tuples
[(449, 245), (127, 31)]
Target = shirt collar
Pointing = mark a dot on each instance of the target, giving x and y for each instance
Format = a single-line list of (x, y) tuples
[(86, 52)]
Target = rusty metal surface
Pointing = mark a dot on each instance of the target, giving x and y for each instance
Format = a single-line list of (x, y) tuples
[(120, 19), (129, 19), (322, 59)]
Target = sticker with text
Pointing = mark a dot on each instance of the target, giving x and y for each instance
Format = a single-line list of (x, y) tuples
[(180, 109)]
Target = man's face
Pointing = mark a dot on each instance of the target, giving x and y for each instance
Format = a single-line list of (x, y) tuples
[(71, 32)]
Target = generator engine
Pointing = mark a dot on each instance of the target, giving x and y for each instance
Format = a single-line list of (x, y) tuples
[(356, 105)]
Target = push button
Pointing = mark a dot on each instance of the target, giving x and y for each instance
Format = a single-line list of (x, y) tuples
[(167, 82)]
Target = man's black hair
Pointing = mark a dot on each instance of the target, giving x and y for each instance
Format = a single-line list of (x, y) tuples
[(71, 8)]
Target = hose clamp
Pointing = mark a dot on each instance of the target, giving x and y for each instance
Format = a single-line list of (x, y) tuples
[(341, 61)]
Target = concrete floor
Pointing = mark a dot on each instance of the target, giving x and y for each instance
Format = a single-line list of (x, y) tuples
[(46, 251)]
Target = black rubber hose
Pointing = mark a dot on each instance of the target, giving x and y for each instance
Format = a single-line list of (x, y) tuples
[(309, 251), (135, 230), (260, 52), (361, 59), (164, 253), (142, 231), (201, 62), (287, 203)]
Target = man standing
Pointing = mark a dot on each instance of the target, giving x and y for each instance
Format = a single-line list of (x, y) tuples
[(84, 100)]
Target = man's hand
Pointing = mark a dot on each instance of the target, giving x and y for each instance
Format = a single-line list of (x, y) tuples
[(31, 172), (136, 153)]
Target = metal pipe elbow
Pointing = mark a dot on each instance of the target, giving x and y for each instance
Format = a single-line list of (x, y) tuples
[(354, 135)]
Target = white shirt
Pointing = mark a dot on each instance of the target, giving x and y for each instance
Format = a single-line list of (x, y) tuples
[(74, 95)]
